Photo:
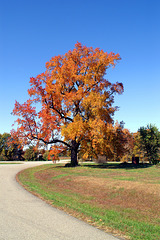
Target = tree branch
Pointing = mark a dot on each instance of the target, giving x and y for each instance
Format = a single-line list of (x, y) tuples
[(58, 111), (52, 141)]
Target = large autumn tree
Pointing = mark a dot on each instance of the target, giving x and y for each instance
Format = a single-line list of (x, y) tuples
[(75, 102)]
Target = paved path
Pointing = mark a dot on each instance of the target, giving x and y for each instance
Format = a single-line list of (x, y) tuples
[(26, 217)]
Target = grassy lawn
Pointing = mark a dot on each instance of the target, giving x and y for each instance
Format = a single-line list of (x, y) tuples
[(117, 198), (10, 163)]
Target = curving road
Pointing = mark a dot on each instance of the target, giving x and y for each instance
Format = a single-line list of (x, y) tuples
[(26, 217)]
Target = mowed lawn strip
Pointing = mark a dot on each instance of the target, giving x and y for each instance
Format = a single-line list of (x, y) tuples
[(10, 163), (119, 198)]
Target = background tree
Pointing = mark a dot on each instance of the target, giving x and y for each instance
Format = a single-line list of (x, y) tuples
[(31, 154), (3, 141), (75, 98), (10, 149), (114, 142), (129, 145), (138, 151), (150, 142), (45, 155), (122, 142)]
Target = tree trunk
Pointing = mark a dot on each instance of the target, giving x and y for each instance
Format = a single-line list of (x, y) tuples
[(74, 153)]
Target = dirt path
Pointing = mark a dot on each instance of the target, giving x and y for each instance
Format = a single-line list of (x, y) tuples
[(24, 216)]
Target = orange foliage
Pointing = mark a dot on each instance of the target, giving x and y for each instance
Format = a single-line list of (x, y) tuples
[(112, 141), (76, 101)]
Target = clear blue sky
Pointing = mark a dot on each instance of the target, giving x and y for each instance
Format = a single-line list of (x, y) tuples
[(31, 32)]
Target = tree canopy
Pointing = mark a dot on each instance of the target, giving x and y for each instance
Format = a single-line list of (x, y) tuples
[(149, 138), (10, 149), (75, 103)]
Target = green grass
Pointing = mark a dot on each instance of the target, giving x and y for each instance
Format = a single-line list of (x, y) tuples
[(10, 163), (128, 221)]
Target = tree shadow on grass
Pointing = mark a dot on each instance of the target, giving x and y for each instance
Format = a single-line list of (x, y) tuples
[(115, 165), (125, 165)]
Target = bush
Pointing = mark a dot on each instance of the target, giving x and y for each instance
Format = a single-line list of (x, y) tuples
[(31, 154), (45, 156)]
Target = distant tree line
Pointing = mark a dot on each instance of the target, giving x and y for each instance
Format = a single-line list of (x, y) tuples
[(12, 150), (121, 145)]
